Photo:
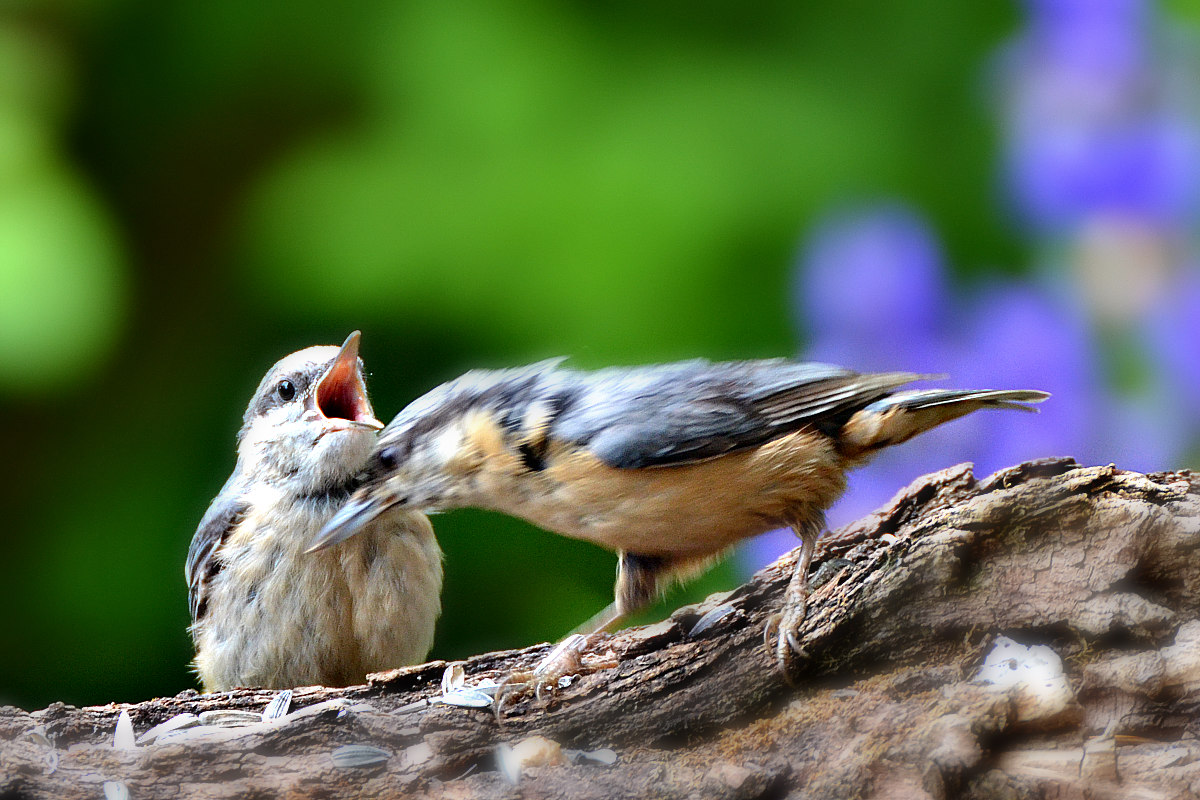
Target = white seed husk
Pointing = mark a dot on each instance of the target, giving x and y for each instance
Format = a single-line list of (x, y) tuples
[(229, 718), (358, 755), (209, 734), (417, 754), (175, 723), (124, 739), (455, 677), (508, 763), (37, 736), (338, 704), (279, 706), (467, 698), (603, 756)]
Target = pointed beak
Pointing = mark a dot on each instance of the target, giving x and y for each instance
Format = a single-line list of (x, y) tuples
[(341, 393), (348, 521)]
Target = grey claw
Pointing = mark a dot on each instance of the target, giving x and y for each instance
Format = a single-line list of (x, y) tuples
[(506, 690), (770, 628)]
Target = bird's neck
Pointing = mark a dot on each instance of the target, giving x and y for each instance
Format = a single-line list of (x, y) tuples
[(331, 493)]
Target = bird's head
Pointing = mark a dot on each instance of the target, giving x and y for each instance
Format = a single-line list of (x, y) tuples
[(310, 425), (456, 446)]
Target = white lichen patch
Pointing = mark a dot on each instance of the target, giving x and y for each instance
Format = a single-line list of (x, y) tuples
[(534, 751), (1033, 674)]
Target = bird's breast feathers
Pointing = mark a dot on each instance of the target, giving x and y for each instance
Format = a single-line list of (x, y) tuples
[(697, 508), (280, 616)]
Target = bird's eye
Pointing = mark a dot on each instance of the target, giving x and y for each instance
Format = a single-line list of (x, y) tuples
[(286, 390), (389, 457)]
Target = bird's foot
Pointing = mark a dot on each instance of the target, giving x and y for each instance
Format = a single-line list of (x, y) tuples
[(784, 627), (568, 658)]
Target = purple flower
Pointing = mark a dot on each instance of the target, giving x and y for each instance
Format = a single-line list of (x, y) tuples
[(1171, 333), (1028, 336), (871, 286), (1090, 37), (1091, 129), (871, 289), (1064, 174), (1146, 432), (875, 289)]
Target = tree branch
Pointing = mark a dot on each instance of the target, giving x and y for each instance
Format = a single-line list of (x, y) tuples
[(1096, 563)]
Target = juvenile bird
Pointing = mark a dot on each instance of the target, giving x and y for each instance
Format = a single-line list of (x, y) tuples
[(265, 613), (669, 465)]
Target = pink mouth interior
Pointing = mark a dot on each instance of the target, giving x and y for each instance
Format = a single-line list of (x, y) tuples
[(340, 395)]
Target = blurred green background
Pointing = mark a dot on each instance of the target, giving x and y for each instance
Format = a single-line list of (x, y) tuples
[(190, 190)]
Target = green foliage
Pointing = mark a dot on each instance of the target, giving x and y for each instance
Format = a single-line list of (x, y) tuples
[(190, 190)]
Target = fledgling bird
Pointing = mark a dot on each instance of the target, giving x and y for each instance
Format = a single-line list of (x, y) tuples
[(669, 465), (264, 612)]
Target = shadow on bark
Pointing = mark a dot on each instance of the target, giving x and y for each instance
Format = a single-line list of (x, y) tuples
[(1071, 591)]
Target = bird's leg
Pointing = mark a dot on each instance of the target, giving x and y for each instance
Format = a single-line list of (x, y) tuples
[(601, 622), (638, 581), (785, 625)]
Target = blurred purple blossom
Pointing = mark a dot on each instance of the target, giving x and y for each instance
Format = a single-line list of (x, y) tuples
[(1003, 336), (1102, 151), (867, 277), (1146, 432), (1090, 126), (1026, 335), (1171, 334)]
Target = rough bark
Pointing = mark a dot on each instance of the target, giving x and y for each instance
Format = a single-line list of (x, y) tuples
[(1096, 563)]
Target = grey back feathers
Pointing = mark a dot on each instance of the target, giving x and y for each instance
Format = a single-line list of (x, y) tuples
[(658, 415), (680, 413)]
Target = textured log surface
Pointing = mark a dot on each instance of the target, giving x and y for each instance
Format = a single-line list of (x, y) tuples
[(1097, 564)]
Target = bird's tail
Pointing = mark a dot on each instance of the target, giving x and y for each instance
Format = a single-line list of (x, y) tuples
[(901, 416)]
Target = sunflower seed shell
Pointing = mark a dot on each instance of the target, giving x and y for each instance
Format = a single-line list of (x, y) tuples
[(358, 755)]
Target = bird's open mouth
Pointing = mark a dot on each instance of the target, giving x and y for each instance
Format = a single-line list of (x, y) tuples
[(341, 393)]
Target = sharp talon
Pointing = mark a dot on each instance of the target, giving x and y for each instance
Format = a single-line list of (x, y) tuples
[(498, 706), (566, 658), (784, 627), (511, 686), (770, 628), (498, 702)]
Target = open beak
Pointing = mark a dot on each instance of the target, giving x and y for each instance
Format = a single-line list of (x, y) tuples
[(341, 393)]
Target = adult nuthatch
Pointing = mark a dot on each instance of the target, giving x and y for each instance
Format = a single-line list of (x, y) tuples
[(669, 465), (265, 613)]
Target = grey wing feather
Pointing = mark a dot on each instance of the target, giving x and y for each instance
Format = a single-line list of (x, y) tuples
[(472, 388), (681, 413), (223, 514)]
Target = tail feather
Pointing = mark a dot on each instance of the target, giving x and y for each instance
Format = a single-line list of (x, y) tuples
[(930, 398), (899, 417)]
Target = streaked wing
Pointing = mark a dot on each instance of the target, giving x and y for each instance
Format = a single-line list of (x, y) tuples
[(226, 510), (692, 411)]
